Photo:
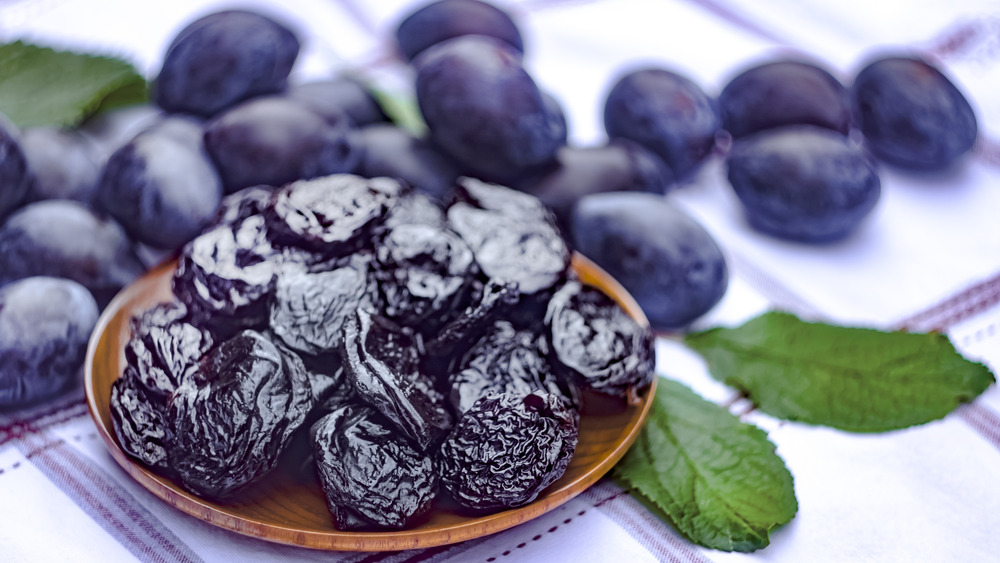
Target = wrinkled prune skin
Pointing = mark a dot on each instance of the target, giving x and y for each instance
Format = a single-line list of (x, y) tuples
[(308, 310), (664, 258), (339, 96), (513, 235), (388, 150), (665, 112), (803, 183), (45, 324), (383, 365), (415, 208), (371, 476), (237, 206), (597, 344), (506, 360), (491, 301), (506, 449), (274, 141), (484, 109), (164, 348), (66, 239), (911, 114), (226, 275), (445, 19), (334, 215), (140, 422), (784, 92), (423, 273), (232, 420), (223, 58)]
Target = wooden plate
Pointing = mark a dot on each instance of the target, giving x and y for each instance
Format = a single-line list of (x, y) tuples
[(288, 510)]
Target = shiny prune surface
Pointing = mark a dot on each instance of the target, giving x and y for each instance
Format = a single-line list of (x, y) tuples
[(803, 183), (308, 310), (423, 273), (233, 418), (665, 112), (911, 114), (444, 19), (597, 344), (513, 236), (140, 422), (506, 449), (165, 349), (371, 476), (45, 324), (383, 365), (223, 58), (66, 239), (507, 360), (784, 92)]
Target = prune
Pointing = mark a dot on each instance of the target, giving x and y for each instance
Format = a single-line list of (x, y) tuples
[(415, 208), (490, 302), (512, 235), (445, 19), (274, 141), (618, 165), (506, 449), (597, 344), (666, 113), (506, 360), (390, 151), (233, 418), (15, 177), (665, 259), (334, 215), (803, 183), (63, 163), (165, 349), (64, 238), (161, 187), (237, 206), (226, 275), (911, 114), (140, 422), (45, 324), (785, 92), (484, 109), (371, 476), (308, 310), (339, 96), (223, 58), (423, 273), (383, 365)]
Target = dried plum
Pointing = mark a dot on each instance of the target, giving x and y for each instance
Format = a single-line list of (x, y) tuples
[(491, 301), (596, 343), (371, 476), (383, 364), (423, 272), (506, 449), (308, 310), (513, 235), (506, 360), (164, 348), (232, 419), (140, 421)]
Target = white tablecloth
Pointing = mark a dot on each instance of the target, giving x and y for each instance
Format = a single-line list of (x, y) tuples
[(928, 259)]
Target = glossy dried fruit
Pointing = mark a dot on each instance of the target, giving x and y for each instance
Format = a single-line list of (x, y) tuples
[(164, 348), (371, 476), (308, 310), (506, 449)]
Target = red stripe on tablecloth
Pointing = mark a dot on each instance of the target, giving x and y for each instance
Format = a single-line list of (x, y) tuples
[(967, 303), (104, 500), (646, 528), (737, 20), (18, 425), (983, 420)]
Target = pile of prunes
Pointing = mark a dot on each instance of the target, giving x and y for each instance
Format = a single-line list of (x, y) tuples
[(402, 351)]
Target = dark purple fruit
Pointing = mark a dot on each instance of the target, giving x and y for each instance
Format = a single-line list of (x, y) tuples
[(390, 151), (337, 97), (45, 324), (224, 58), (444, 19), (803, 183), (665, 259), (308, 310), (911, 114), (666, 113), (787, 92), (63, 163), (15, 177)]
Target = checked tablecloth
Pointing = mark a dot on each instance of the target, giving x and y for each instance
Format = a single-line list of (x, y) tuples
[(927, 259)]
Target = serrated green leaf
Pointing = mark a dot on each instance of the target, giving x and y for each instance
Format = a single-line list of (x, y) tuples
[(855, 379), (43, 86), (715, 479)]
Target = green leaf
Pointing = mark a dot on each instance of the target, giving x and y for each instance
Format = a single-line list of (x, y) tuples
[(401, 110), (42, 86), (856, 379), (715, 479)]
